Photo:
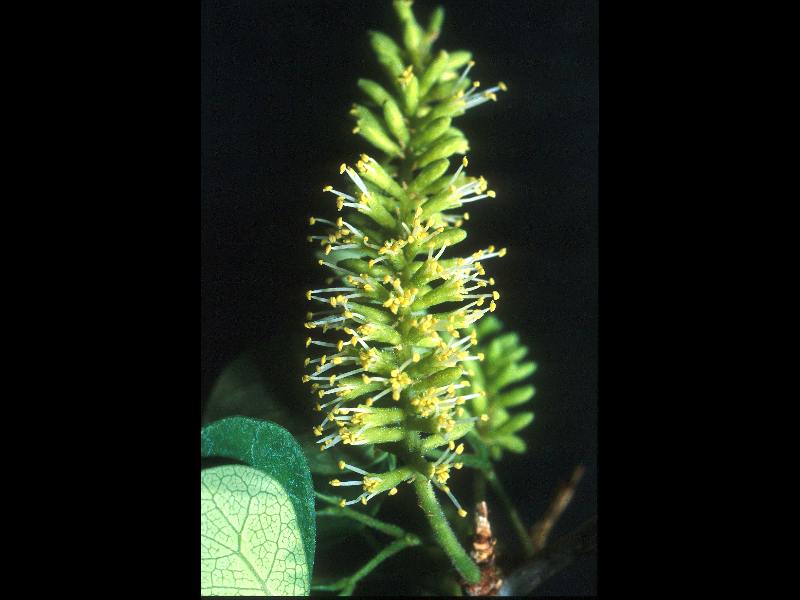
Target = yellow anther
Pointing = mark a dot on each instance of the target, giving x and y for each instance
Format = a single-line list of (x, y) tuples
[(484, 417), (503, 87), (323, 359), (460, 449), (311, 220), (416, 357), (339, 203), (341, 465), (393, 491), (327, 188), (340, 345), (458, 465), (481, 356), (342, 168), (491, 193), (317, 430), (337, 360), (462, 512), (365, 378), (476, 84), (342, 503), (308, 342), (335, 482), (492, 306), (502, 252)]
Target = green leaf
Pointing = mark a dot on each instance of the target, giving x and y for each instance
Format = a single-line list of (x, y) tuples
[(273, 451), (242, 389), (251, 544)]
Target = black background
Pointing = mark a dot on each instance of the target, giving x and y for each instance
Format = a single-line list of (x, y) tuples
[(277, 82)]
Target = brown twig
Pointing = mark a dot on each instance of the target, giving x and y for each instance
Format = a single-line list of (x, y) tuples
[(555, 557), (483, 554), (541, 530)]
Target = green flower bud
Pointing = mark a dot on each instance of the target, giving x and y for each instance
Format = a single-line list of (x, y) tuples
[(433, 72), (430, 133), (388, 53), (442, 149), (395, 121)]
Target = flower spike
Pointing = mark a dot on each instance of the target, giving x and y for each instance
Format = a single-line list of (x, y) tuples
[(393, 344)]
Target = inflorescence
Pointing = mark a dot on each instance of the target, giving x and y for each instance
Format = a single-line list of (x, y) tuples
[(394, 326)]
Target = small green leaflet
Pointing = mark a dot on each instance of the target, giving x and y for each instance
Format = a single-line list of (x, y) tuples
[(278, 461), (250, 543)]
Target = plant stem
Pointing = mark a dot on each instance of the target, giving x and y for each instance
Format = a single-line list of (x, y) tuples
[(348, 584), (552, 559), (442, 532), (490, 475), (387, 528), (390, 550), (522, 533), (479, 486)]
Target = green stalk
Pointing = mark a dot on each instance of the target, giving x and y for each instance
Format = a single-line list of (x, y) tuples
[(479, 486), (442, 532), (348, 584), (387, 528), (516, 521)]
